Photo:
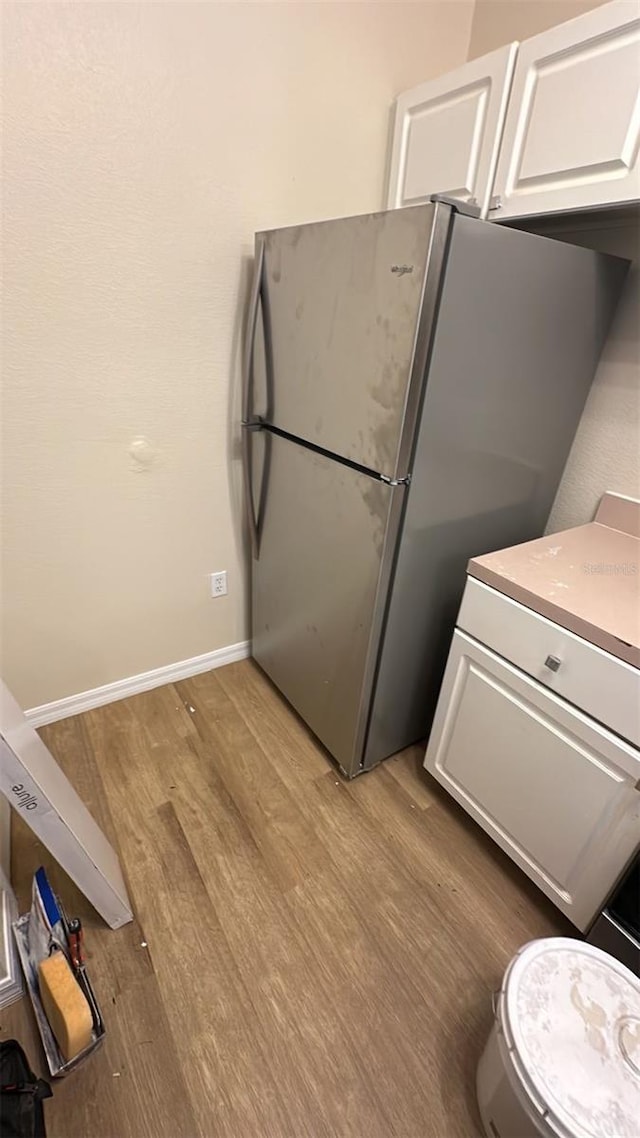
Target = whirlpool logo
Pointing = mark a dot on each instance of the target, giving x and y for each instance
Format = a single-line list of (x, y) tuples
[(400, 270)]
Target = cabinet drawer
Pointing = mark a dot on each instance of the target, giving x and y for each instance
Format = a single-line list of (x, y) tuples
[(606, 688), (558, 792)]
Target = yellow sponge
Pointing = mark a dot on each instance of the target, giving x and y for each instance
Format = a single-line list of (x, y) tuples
[(65, 1005)]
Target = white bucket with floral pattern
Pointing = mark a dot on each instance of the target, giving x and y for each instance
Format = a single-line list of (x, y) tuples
[(563, 1057)]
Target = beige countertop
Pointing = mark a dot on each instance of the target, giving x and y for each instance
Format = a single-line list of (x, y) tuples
[(586, 579)]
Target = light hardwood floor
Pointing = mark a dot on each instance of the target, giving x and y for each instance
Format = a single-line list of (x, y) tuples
[(311, 957)]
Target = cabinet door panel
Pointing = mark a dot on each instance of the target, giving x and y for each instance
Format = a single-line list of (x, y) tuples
[(552, 787), (447, 133), (573, 123)]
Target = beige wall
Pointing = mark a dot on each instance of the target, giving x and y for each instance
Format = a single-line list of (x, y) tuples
[(496, 22), (606, 451), (143, 145)]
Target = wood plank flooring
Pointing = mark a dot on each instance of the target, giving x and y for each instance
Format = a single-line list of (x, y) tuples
[(310, 957)]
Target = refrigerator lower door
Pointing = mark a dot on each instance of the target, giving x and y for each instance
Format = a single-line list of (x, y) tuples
[(318, 585)]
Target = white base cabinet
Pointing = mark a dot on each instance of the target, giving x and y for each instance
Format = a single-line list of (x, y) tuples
[(447, 133), (554, 788)]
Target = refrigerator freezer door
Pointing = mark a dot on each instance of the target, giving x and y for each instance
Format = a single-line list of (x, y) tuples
[(316, 584), (341, 306)]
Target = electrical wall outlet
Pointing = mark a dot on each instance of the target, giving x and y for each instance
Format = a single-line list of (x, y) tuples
[(219, 583)]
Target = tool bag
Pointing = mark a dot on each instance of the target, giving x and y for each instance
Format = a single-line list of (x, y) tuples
[(21, 1095)]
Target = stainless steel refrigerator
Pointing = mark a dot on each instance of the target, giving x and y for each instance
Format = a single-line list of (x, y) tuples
[(413, 383)]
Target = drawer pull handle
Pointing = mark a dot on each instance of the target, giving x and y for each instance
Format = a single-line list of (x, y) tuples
[(552, 663)]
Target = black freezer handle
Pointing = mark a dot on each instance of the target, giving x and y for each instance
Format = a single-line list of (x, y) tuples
[(248, 423)]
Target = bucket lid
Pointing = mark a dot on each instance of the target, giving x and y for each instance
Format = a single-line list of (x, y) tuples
[(571, 1016)]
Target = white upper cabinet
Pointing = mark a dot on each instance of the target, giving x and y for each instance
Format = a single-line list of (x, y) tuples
[(447, 133), (573, 122)]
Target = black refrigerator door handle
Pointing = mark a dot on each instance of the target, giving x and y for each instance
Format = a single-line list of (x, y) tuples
[(247, 431), (247, 394), (250, 334)]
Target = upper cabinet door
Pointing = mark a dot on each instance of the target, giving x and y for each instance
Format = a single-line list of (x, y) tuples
[(447, 133), (573, 123)]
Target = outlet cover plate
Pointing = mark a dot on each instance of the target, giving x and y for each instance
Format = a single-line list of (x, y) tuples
[(218, 583)]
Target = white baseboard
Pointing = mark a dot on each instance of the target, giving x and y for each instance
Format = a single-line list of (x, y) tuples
[(109, 693)]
